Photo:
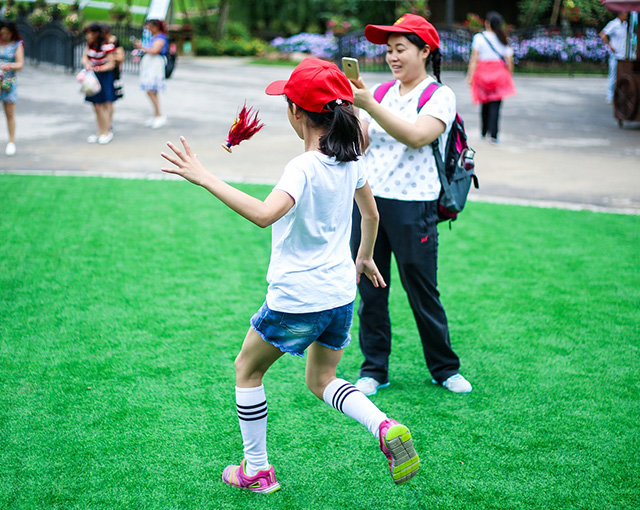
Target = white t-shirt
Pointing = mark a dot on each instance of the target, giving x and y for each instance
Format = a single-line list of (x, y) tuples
[(480, 44), (311, 268), (395, 170), (616, 30)]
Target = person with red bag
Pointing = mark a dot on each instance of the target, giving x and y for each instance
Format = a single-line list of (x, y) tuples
[(490, 73)]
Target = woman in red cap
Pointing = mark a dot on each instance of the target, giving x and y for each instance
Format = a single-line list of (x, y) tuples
[(402, 172), (489, 74), (312, 277)]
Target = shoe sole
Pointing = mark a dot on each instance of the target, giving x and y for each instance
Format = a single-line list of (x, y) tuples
[(405, 461), (385, 385), (452, 391), (267, 490)]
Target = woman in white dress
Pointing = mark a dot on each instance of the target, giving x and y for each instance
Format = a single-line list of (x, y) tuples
[(152, 69)]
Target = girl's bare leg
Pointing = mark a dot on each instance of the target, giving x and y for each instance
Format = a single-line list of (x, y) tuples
[(255, 358), (155, 100), (10, 114)]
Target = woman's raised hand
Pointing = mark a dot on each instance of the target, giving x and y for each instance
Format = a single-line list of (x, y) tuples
[(362, 97), (188, 166)]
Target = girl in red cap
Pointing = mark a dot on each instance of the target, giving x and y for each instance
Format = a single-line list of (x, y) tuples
[(312, 277), (402, 172)]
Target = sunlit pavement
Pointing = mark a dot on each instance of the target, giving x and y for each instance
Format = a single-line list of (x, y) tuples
[(560, 144)]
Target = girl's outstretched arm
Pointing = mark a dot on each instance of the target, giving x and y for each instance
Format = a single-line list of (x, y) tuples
[(369, 228), (263, 214)]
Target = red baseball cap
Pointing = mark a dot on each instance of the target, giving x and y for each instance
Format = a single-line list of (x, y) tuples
[(313, 84), (407, 24)]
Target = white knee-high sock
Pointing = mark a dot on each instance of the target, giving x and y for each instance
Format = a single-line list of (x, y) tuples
[(252, 414), (347, 399)]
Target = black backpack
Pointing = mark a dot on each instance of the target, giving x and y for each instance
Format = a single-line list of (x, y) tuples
[(457, 171), (170, 63)]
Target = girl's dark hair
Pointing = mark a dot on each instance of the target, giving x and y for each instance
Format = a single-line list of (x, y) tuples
[(157, 23), (343, 138), (434, 58), (96, 28), (12, 27), (497, 23)]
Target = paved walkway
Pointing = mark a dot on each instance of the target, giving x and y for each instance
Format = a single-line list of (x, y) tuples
[(560, 142)]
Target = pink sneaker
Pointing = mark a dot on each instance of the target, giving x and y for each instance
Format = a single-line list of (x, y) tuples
[(397, 445), (263, 482)]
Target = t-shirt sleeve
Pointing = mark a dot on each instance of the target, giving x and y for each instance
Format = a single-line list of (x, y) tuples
[(362, 173), (442, 106), (476, 42), (292, 181), (610, 27)]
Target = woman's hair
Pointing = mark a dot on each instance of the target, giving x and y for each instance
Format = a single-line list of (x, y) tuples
[(12, 27), (343, 138), (96, 28), (434, 58), (156, 23), (496, 23)]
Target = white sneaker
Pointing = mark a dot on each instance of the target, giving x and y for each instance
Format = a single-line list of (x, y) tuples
[(11, 149), (105, 139), (92, 138), (149, 121), (369, 386), (456, 383), (158, 122)]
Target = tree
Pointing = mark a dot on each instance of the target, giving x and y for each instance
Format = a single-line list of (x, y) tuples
[(587, 12)]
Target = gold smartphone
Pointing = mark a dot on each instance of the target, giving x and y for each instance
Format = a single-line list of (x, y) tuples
[(350, 68)]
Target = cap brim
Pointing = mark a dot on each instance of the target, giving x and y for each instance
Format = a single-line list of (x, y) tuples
[(378, 34), (276, 88)]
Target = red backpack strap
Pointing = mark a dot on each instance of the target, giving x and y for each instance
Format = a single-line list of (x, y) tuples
[(428, 93), (382, 90)]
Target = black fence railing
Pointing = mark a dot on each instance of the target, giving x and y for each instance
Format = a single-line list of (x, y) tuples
[(54, 44), (545, 47)]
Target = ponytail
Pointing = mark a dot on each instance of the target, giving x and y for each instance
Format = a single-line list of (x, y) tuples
[(496, 23), (434, 58), (343, 138)]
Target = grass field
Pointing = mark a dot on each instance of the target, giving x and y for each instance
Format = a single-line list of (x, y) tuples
[(123, 304)]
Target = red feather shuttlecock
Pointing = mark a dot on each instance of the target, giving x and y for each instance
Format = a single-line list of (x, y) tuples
[(244, 127)]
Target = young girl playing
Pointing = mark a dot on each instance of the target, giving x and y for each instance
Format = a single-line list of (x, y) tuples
[(312, 277)]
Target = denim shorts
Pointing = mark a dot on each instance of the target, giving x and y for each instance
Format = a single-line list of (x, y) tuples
[(294, 332)]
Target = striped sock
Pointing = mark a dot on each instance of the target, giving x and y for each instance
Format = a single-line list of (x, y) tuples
[(347, 399), (252, 414)]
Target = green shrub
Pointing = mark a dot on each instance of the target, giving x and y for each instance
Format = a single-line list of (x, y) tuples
[(205, 46), (236, 30), (203, 25)]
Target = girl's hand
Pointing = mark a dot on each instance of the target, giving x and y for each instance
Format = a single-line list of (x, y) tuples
[(369, 268), (6, 67), (362, 97), (187, 162), (137, 44)]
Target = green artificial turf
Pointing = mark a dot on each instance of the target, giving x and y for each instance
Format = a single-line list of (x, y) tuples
[(124, 303)]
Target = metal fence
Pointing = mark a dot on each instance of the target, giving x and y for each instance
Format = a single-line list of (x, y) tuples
[(54, 44), (541, 47)]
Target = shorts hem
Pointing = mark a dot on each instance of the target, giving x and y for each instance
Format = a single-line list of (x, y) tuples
[(286, 351), (333, 347)]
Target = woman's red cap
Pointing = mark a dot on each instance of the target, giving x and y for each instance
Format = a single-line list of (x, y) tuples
[(313, 84), (407, 24)]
